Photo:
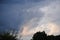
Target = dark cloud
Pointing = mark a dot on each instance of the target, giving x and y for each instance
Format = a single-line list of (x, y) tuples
[(10, 18), (19, 1), (13, 15), (12, 1)]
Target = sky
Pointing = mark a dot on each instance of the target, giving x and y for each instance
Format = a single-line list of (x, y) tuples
[(30, 16)]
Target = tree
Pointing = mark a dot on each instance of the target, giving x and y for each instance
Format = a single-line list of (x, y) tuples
[(43, 36), (39, 36), (8, 36)]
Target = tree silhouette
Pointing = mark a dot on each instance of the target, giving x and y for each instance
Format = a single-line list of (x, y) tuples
[(43, 36), (8, 36)]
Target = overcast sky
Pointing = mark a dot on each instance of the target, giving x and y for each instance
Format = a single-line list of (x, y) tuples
[(30, 16)]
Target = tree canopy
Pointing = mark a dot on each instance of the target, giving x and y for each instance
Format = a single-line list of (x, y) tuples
[(44, 36)]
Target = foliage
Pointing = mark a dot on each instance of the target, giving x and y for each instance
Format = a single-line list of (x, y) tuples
[(43, 36), (7, 36)]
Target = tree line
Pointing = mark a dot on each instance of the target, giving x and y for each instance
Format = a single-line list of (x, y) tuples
[(36, 36)]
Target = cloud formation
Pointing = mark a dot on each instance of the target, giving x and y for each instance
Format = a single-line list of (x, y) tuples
[(30, 16), (48, 22)]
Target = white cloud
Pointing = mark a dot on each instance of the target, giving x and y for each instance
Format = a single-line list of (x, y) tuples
[(47, 23), (52, 12)]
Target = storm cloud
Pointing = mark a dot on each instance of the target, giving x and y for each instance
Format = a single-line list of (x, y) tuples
[(30, 16)]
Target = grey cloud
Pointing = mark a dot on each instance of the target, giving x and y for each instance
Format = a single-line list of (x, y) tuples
[(17, 15), (19, 1), (13, 15), (51, 18)]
